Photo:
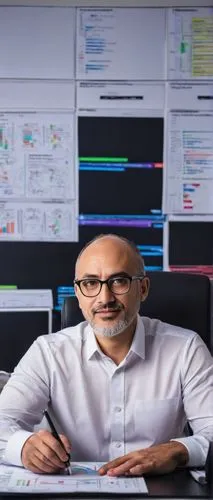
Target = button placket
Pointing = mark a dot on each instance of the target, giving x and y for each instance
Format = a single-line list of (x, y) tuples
[(117, 415)]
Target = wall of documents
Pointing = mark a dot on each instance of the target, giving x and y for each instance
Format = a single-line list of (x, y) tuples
[(104, 107)]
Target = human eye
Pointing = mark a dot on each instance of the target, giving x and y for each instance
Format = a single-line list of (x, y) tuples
[(89, 284), (119, 281)]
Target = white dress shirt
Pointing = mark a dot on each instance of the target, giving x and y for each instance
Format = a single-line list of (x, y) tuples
[(108, 410)]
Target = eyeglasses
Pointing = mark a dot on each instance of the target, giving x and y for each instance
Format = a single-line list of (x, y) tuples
[(118, 285)]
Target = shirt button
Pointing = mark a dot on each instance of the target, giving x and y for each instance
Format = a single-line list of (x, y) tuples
[(118, 409)]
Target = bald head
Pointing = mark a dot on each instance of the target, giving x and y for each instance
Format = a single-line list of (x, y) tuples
[(113, 241)]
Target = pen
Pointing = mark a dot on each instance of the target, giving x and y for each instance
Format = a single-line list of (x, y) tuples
[(56, 436)]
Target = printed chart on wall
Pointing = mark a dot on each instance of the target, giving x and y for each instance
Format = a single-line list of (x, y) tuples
[(38, 193), (105, 49), (190, 43), (189, 149)]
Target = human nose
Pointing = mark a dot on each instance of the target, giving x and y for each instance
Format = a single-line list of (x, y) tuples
[(105, 293)]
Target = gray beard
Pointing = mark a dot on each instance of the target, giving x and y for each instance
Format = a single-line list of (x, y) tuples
[(110, 331)]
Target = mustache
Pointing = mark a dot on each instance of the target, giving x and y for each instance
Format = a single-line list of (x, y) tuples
[(112, 306)]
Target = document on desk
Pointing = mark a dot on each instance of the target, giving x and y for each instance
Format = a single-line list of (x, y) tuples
[(84, 478)]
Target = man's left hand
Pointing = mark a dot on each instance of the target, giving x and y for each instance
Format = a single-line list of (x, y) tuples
[(158, 459)]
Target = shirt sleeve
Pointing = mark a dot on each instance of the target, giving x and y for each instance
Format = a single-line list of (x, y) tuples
[(197, 389), (22, 401)]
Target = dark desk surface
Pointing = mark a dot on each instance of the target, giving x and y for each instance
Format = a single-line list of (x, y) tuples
[(178, 484)]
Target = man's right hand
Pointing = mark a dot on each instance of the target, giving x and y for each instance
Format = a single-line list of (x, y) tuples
[(42, 453)]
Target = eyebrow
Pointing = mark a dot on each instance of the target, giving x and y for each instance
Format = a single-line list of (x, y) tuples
[(95, 276), (87, 276)]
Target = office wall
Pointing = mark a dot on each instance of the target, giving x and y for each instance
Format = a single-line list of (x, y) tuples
[(45, 81)]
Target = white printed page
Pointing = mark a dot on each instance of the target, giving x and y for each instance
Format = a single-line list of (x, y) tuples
[(38, 177), (189, 148), (189, 95), (29, 95), (121, 43), (38, 221), (19, 299), (84, 478), (38, 41), (189, 163), (190, 43), (120, 95)]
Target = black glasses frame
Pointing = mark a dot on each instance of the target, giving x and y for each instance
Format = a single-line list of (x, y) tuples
[(109, 283)]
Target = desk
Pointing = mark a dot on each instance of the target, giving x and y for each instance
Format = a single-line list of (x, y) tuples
[(178, 484)]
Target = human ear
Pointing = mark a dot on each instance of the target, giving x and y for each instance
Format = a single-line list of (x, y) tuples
[(145, 284), (78, 295)]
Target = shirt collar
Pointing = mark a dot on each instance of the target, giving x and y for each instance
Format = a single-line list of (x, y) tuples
[(137, 346), (138, 343), (91, 343)]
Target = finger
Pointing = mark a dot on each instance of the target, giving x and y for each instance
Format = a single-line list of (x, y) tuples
[(66, 443), (148, 466), (33, 468), (40, 466), (48, 462), (36, 462), (123, 468), (137, 470), (53, 444), (49, 455), (40, 463), (42, 445), (112, 464)]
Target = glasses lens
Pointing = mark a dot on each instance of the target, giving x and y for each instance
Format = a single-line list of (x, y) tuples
[(119, 285), (90, 287)]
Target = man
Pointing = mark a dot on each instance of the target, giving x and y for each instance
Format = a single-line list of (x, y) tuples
[(119, 386)]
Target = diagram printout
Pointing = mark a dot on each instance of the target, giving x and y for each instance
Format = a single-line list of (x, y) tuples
[(189, 178), (190, 43), (38, 178), (189, 148), (84, 478)]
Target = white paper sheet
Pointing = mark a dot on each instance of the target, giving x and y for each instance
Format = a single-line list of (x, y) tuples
[(189, 47), (38, 177), (189, 157), (24, 299), (104, 44), (84, 478)]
